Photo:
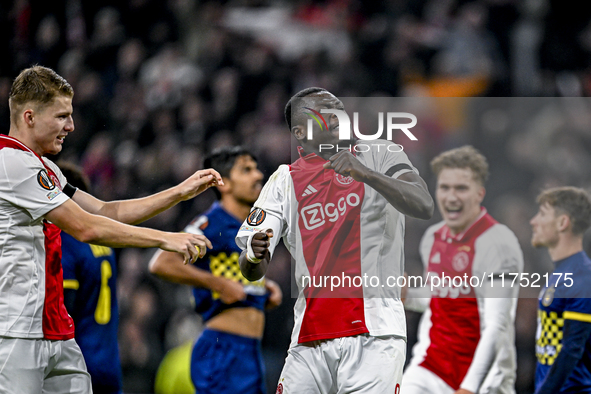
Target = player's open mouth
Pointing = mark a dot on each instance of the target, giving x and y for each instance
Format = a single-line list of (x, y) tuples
[(453, 213), (61, 138)]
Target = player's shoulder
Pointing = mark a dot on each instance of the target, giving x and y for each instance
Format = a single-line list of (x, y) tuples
[(432, 229), (500, 235)]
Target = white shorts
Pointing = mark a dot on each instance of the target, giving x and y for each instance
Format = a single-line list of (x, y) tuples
[(35, 366), (419, 380), (357, 364)]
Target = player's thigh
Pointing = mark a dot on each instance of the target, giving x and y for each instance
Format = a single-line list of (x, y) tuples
[(371, 364), (225, 363), (419, 380), (22, 362), (66, 371), (310, 369)]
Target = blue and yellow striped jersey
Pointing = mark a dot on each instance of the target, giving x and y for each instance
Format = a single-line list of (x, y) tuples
[(91, 271), (567, 296), (221, 228)]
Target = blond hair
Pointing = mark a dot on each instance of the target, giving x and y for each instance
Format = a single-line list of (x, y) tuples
[(38, 85), (465, 157)]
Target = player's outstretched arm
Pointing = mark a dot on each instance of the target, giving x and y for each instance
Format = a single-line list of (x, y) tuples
[(408, 193), (254, 260), (140, 209), (95, 229), (170, 266)]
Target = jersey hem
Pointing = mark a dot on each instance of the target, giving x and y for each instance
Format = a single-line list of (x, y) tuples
[(334, 335)]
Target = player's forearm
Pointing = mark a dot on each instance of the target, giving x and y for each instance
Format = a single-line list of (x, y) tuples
[(410, 198), (138, 210), (170, 266), (576, 334), (497, 318), (252, 271)]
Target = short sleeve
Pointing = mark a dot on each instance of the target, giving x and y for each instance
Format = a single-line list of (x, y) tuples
[(578, 309), (25, 183), (55, 168), (497, 251), (390, 160), (269, 210)]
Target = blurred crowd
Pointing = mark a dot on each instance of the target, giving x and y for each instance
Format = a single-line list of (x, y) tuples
[(159, 83)]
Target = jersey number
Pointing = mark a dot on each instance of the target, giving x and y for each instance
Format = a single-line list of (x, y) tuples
[(102, 314)]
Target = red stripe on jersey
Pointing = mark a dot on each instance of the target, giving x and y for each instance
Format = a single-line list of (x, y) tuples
[(329, 222), (455, 329), (57, 324)]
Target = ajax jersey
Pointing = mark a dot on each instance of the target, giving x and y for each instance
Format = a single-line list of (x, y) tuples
[(451, 329), (337, 229), (31, 285), (220, 228)]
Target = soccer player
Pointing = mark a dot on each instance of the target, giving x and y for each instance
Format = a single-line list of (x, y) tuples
[(37, 348), (340, 216), (227, 356), (466, 335), (563, 339), (90, 296)]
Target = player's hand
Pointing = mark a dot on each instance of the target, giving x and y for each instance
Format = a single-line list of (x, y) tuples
[(463, 391), (275, 294), (230, 291), (260, 243), (199, 182), (191, 246), (346, 164)]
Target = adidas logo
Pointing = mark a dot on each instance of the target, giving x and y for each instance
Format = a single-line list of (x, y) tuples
[(436, 259), (309, 190)]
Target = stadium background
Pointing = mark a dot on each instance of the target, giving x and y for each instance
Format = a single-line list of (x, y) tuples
[(160, 83)]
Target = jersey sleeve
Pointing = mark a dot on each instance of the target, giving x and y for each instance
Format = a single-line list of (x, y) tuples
[(418, 298), (390, 160), (269, 211), (25, 183), (497, 252), (55, 168)]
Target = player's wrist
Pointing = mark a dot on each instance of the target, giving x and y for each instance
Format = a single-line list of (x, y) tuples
[(250, 256)]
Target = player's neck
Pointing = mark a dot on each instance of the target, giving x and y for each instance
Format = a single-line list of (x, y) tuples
[(234, 207), (566, 246), (23, 137)]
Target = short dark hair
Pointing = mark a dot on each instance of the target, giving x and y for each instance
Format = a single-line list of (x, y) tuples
[(222, 160), (300, 94), (572, 201), (464, 157), (75, 175)]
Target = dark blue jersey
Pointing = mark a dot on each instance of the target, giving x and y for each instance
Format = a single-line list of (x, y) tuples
[(221, 228), (91, 271), (566, 299)]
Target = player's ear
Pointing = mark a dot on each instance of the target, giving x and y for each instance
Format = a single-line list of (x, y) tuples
[(481, 194), (28, 117), (563, 222), (298, 132)]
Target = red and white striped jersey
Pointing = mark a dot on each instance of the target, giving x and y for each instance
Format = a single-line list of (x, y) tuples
[(31, 280), (336, 227), (466, 335)]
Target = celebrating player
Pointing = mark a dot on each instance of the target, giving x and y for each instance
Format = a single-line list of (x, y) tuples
[(563, 343), (227, 357), (90, 295), (37, 348), (339, 215), (466, 335)]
